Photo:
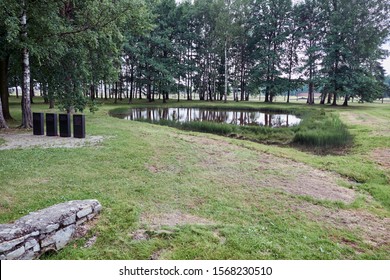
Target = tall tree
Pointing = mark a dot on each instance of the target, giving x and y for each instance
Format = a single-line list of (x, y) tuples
[(312, 27), (269, 21), (355, 32)]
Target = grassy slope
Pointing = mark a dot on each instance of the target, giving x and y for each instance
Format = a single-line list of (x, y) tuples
[(244, 225)]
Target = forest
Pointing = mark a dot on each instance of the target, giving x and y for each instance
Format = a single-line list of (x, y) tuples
[(76, 51), (214, 129)]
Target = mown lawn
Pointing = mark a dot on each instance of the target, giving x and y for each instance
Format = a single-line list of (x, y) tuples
[(192, 195)]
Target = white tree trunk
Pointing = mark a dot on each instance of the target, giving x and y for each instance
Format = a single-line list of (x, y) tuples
[(3, 123), (226, 73), (26, 102)]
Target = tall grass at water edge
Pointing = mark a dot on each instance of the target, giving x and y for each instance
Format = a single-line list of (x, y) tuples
[(317, 129), (322, 130)]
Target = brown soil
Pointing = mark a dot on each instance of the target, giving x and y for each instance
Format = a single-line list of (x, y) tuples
[(23, 141), (177, 218), (157, 255), (373, 230), (223, 160), (382, 157)]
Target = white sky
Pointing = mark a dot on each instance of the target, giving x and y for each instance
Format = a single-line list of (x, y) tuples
[(386, 62)]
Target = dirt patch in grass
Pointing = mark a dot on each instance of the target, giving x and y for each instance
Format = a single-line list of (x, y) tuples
[(224, 161), (176, 218), (158, 254), (159, 168), (382, 157), (24, 141), (374, 230)]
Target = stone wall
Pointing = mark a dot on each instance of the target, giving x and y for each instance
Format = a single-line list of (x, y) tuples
[(47, 229)]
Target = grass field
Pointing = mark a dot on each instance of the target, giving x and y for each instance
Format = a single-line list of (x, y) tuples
[(177, 194)]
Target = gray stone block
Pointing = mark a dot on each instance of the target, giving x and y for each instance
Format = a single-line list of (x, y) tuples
[(30, 243), (63, 236), (81, 221), (51, 228), (69, 220), (37, 248), (8, 245), (84, 212), (47, 241), (9, 232), (97, 208), (28, 255), (15, 254)]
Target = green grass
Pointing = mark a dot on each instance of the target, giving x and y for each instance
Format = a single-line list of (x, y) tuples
[(145, 170), (261, 134), (323, 130)]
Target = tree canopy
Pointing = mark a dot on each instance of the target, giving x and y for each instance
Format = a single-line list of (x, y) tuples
[(205, 48)]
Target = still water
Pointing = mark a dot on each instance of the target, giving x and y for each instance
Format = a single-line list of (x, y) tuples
[(237, 117)]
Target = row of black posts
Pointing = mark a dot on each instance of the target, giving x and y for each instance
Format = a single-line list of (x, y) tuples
[(64, 124)]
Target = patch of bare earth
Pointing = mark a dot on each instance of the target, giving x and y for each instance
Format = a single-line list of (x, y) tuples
[(256, 170), (153, 224), (24, 141), (372, 229), (382, 157), (172, 219), (157, 255), (262, 170)]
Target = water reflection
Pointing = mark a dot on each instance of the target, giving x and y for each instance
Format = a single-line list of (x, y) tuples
[(212, 115)]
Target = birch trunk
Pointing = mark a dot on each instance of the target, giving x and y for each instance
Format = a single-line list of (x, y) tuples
[(226, 73), (4, 87), (26, 101), (3, 123)]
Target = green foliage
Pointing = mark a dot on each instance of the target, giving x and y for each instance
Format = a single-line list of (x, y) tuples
[(322, 130), (72, 44), (93, 106), (70, 101), (352, 46)]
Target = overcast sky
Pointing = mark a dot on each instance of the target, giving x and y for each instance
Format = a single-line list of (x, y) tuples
[(386, 62)]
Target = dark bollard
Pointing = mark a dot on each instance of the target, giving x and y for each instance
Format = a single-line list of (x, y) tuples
[(65, 125), (38, 124), (78, 126), (51, 125)]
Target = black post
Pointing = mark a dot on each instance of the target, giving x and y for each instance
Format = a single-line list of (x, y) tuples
[(38, 124), (65, 125), (78, 126), (51, 124)]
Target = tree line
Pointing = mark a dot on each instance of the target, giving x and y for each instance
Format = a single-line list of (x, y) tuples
[(198, 49)]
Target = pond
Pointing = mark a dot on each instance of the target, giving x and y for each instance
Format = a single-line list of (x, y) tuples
[(236, 117)]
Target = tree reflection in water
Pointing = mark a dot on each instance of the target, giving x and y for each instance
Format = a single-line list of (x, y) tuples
[(238, 117)]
